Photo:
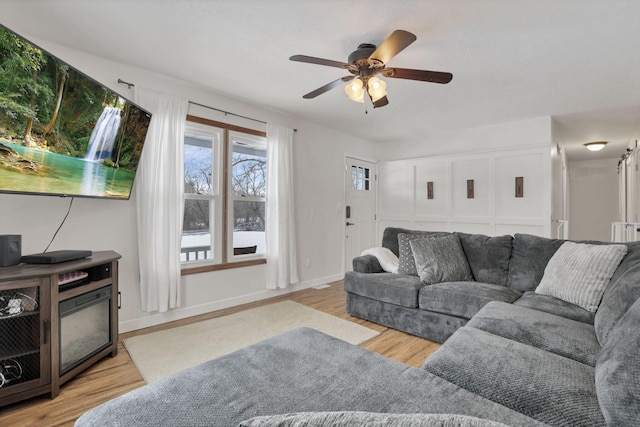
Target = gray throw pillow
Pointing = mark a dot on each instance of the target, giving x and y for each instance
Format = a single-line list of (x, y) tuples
[(359, 418), (578, 273), (440, 259), (406, 262)]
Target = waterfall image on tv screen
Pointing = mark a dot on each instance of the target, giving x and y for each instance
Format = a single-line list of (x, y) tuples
[(61, 132)]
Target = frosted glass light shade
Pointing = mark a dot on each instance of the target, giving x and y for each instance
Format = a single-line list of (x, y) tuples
[(595, 146), (355, 90), (377, 88)]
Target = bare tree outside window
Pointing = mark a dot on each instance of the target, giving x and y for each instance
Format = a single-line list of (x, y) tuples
[(249, 180), (199, 190), (248, 189)]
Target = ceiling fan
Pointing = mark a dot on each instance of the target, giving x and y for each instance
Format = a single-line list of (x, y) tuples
[(366, 62)]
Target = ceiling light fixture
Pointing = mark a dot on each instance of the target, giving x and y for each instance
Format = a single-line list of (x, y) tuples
[(595, 146), (376, 88), (355, 90)]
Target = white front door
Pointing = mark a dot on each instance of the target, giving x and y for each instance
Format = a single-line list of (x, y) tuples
[(360, 208)]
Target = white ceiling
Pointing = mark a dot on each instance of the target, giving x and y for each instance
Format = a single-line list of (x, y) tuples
[(575, 60)]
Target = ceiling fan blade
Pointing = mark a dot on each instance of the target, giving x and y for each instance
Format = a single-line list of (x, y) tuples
[(422, 75), (381, 102), (393, 45), (327, 87), (318, 61)]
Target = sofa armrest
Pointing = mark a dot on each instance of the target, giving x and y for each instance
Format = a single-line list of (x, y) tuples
[(367, 264)]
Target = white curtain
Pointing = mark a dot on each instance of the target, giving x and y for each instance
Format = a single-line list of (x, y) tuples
[(160, 205), (282, 269)]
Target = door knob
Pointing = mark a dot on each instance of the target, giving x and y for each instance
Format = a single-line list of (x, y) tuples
[(350, 223)]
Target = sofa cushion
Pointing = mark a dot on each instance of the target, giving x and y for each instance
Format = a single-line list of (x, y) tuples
[(488, 257), (463, 299), (555, 306), (620, 294), (542, 385), (407, 263), (301, 370), (388, 287), (565, 337), (390, 237), (579, 272), (618, 371), (440, 259), (529, 257), (359, 418)]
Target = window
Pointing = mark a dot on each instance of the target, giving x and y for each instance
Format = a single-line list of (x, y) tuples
[(360, 178), (202, 201), (224, 201), (248, 187)]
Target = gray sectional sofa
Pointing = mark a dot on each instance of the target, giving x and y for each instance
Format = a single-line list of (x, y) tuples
[(505, 269), (513, 356), (508, 343)]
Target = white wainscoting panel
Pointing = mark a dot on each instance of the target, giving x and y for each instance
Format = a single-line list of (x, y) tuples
[(437, 172), (529, 167), (494, 209), (480, 171), (397, 190)]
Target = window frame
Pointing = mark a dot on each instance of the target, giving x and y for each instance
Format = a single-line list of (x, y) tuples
[(215, 197), (222, 246), (253, 140)]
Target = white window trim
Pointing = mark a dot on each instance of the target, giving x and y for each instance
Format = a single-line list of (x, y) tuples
[(253, 140), (215, 214)]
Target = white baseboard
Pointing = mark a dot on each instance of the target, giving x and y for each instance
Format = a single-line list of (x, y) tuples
[(183, 313)]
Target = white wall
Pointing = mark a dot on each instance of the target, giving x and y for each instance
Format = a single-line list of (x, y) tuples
[(524, 133), (109, 224), (493, 156), (593, 202)]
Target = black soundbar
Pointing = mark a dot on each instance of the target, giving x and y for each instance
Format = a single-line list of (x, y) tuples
[(55, 257)]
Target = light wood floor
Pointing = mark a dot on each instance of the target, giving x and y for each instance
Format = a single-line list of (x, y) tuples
[(112, 377)]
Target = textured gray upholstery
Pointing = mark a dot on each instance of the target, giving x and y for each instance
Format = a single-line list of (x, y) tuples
[(556, 306), (355, 418), (623, 290), (390, 237), (568, 338), (618, 371), (547, 358), (406, 259), (542, 385), (488, 256), (440, 259), (579, 273), (423, 323), (299, 371), (388, 287), (529, 258), (463, 299), (367, 264)]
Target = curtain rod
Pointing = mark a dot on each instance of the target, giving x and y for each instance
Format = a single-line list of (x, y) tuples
[(226, 113)]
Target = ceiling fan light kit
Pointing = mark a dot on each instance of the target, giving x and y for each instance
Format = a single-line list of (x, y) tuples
[(377, 89), (366, 62), (355, 90), (595, 146)]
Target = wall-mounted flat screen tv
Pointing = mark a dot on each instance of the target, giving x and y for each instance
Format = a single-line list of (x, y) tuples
[(61, 132)]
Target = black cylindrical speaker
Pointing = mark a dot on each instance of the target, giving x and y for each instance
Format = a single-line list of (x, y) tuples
[(10, 249)]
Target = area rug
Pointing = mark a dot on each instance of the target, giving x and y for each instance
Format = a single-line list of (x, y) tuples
[(162, 353)]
